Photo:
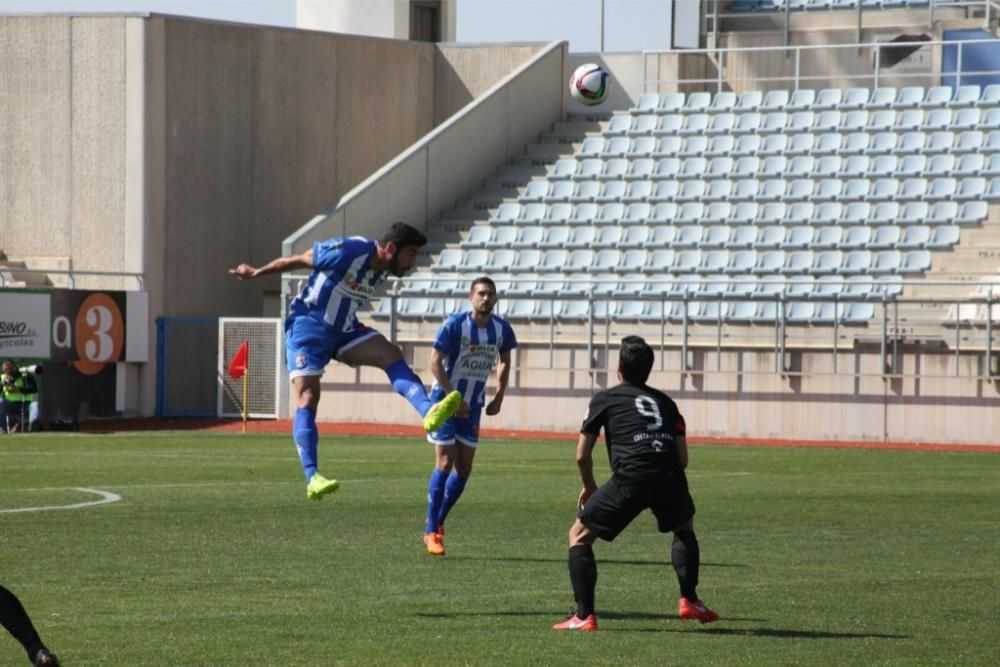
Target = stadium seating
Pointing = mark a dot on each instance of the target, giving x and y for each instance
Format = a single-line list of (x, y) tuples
[(826, 197)]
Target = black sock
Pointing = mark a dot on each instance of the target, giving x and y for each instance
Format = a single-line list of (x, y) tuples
[(15, 619), (685, 557), (583, 576)]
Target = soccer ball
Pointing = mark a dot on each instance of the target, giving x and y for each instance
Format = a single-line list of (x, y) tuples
[(589, 84)]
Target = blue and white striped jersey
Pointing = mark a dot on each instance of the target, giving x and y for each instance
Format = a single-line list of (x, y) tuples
[(472, 353), (341, 281)]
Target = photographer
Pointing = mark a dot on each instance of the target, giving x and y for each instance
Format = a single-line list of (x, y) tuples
[(20, 397)]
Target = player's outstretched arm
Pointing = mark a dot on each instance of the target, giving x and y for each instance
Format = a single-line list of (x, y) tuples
[(279, 265), (503, 377)]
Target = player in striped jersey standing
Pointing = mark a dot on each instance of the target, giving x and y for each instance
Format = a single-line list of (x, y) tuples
[(323, 324), (468, 346)]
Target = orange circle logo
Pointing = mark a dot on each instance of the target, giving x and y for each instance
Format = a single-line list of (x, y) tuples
[(99, 332)]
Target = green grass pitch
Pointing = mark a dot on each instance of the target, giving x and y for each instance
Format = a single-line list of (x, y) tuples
[(213, 556)]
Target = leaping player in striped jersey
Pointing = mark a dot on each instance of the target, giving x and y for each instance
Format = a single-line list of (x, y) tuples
[(323, 324), (467, 347)]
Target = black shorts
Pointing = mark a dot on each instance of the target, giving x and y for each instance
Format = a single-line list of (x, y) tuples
[(614, 505)]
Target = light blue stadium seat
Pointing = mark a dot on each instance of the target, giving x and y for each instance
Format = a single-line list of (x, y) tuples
[(798, 189), (689, 212), (884, 212), (691, 191), (660, 260), (943, 237), (618, 168), (716, 236), (936, 96), (588, 169), (746, 167), (855, 98), (858, 236), (970, 188), (940, 165), (533, 214), (663, 213), (521, 309), (774, 100), (912, 188), (776, 121), (991, 121), (748, 122), (619, 125), (637, 191), (911, 166), (883, 120), (854, 189), (855, 144), (697, 102), (669, 124), (937, 119), (909, 97), (854, 166), (639, 236), (770, 237), (670, 103), (693, 168), (535, 191), (828, 287), (585, 191), (519, 262), (856, 261), (555, 237), (718, 190), (773, 166), (801, 143), (771, 213), (827, 261), (692, 146), (885, 261), (688, 236), (603, 261), (582, 237), (800, 312), (800, 287), (724, 100), (742, 213), (857, 313), (501, 259), (829, 98), (722, 123), (992, 167), (719, 145), (665, 191), (798, 237), (972, 212), (970, 141), (966, 119), (481, 236), (856, 213), (559, 191), (887, 287), (915, 261), (593, 146), (557, 213), (858, 287), (854, 121), (714, 261), (719, 167), (883, 189), (745, 188), (883, 143), (966, 95), (564, 168), (636, 213), (881, 98), (751, 99), (970, 165), (772, 190), (646, 103), (616, 147), (769, 261), (802, 98), (526, 237), (609, 236), (661, 236), (914, 237), (578, 261), (610, 214), (667, 168), (641, 147), (644, 125), (742, 311), (990, 96), (828, 121), (800, 213), (667, 146), (749, 144), (583, 214), (885, 237), (945, 188), (695, 124), (770, 286)]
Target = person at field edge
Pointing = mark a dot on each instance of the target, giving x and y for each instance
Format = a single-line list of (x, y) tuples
[(16, 621), (323, 324), (467, 347), (19, 405), (647, 447)]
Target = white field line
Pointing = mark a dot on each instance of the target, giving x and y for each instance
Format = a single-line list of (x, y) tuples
[(106, 497)]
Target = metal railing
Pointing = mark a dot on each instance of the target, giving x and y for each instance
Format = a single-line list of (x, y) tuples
[(71, 275), (721, 57)]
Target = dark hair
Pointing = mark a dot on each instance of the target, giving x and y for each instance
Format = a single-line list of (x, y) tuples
[(403, 236), (483, 280), (635, 360)]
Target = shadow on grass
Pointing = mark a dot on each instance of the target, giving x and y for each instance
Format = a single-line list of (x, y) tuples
[(604, 615), (600, 561), (769, 633)]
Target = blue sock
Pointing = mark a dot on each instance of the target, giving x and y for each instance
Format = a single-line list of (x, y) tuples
[(435, 496), (408, 385), (452, 490), (306, 437)]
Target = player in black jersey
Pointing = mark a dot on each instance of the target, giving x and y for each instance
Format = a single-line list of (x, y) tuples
[(645, 435)]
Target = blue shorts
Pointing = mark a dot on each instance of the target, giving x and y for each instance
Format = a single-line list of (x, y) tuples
[(464, 431), (310, 344)]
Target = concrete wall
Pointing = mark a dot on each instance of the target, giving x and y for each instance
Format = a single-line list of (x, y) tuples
[(374, 18), (451, 160), (62, 157), (744, 399)]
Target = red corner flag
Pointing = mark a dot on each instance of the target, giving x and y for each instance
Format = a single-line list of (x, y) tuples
[(238, 366)]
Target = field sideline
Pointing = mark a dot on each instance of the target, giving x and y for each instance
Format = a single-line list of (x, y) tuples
[(212, 556)]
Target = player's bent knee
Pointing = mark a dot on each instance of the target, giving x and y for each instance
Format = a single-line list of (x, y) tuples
[(580, 534)]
